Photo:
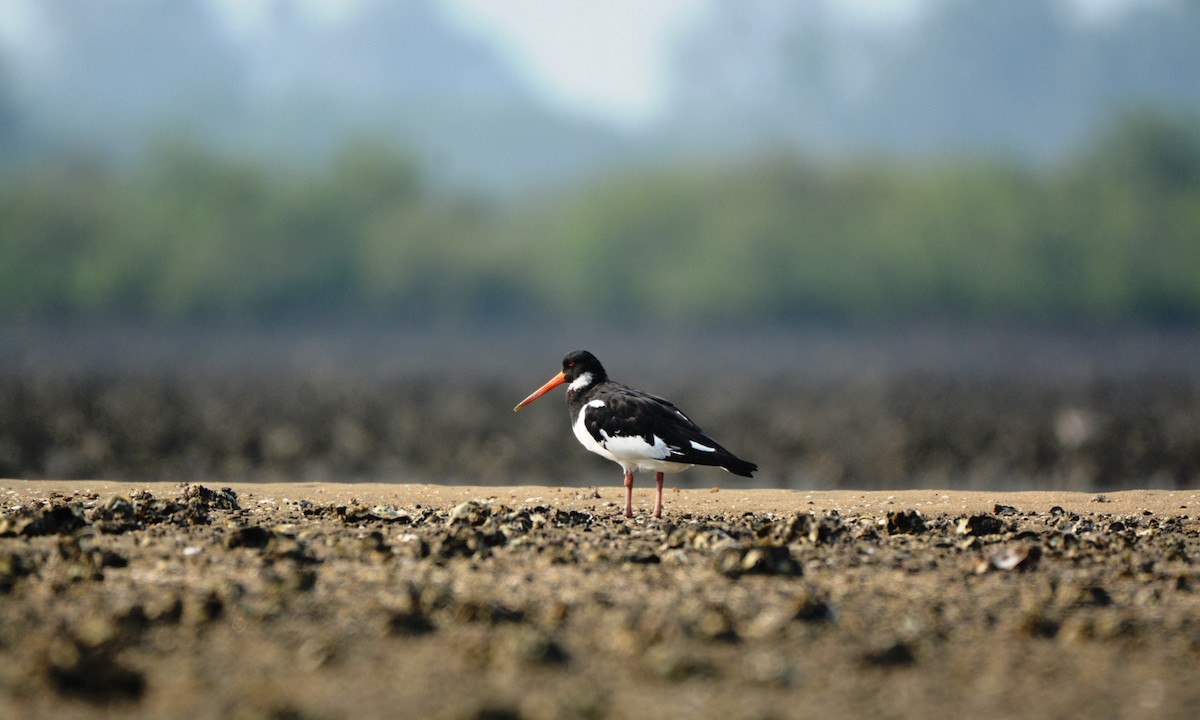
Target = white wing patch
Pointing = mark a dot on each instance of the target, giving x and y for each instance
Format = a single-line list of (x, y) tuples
[(703, 448), (635, 448)]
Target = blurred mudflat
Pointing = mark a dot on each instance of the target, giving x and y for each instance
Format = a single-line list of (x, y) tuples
[(319, 600), (815, 407)]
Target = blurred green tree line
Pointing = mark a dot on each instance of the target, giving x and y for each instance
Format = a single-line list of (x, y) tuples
[(1111, 236)]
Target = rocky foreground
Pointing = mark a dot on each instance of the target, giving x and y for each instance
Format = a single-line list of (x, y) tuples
[(379, 601)]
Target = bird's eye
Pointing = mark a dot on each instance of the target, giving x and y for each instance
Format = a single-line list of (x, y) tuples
[(570, 363)]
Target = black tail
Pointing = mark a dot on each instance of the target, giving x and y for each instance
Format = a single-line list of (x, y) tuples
[(737, 466)]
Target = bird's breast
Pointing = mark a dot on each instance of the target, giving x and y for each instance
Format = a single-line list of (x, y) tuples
[(630, 451), (585, 436)]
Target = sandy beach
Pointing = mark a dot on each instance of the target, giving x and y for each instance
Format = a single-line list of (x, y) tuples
[(318, 600)]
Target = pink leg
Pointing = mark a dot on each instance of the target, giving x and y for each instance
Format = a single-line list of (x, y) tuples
[(628, 493), (658, 481)]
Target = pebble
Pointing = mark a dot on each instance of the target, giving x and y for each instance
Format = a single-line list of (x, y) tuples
[(529, 593)]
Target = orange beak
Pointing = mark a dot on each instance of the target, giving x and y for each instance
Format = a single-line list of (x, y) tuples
[(554, 382)]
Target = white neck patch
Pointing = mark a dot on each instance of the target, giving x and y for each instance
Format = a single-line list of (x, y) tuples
[(580, 382)]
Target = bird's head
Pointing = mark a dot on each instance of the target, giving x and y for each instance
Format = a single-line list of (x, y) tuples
[(580, 370)]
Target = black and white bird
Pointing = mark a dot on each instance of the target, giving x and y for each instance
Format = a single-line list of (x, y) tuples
[(636, 430)]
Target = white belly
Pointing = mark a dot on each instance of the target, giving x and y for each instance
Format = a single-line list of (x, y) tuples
[(631, 453)]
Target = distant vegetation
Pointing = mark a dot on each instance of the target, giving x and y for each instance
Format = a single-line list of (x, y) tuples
[(1111, 236)]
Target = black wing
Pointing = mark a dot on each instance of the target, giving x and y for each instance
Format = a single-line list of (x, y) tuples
[(629, 413)]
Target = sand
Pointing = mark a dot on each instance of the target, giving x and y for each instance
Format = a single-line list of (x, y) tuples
[(318, 600)]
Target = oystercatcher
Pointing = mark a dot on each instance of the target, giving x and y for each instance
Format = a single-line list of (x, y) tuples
[(636, 430)]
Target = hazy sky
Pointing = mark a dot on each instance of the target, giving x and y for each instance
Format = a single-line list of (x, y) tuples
[(610, 59), (607, 60), (589, 57)]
